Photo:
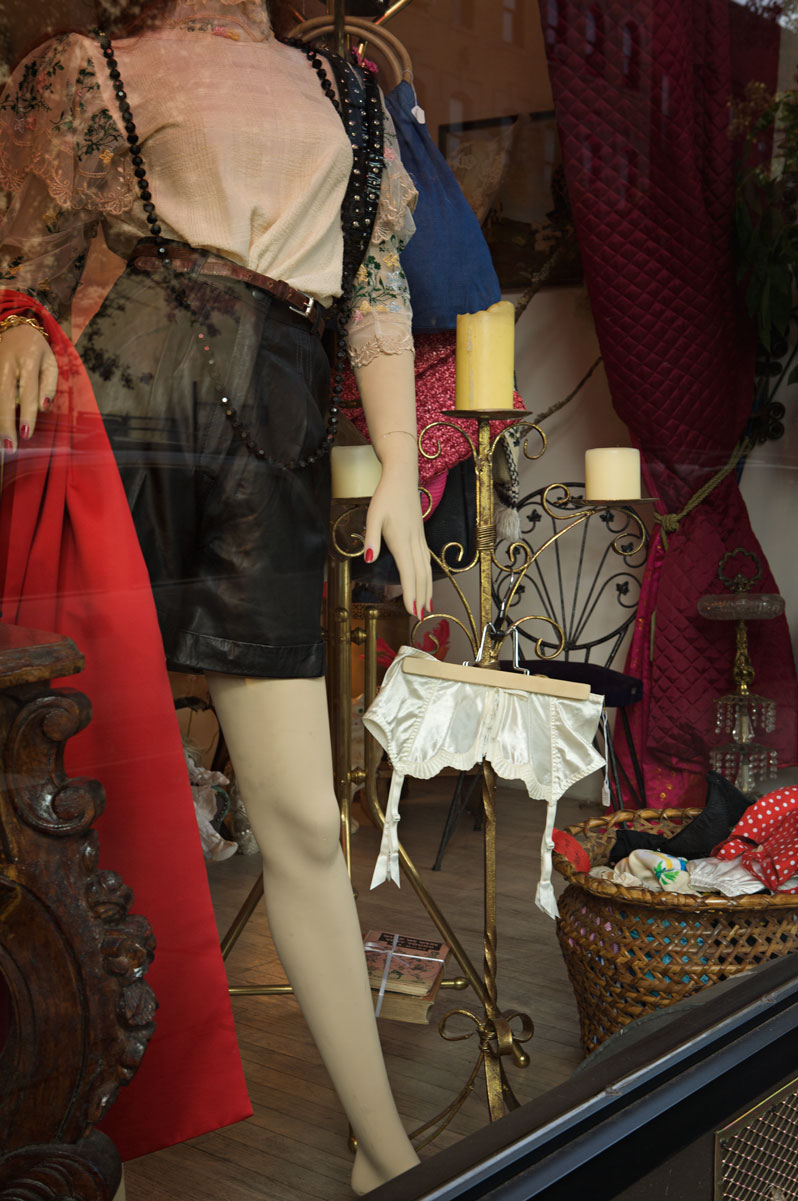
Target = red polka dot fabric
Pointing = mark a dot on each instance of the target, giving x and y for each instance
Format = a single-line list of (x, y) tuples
[(766, 839)]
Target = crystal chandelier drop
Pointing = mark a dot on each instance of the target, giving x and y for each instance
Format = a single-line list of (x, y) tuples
[(742, 715)]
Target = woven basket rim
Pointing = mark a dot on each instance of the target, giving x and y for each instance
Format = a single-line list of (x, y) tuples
[(644, 896)]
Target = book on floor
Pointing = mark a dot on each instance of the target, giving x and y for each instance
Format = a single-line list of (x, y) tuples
[(404, 973)]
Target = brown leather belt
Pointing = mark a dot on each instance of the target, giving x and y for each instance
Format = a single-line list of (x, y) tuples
[(202, 262)]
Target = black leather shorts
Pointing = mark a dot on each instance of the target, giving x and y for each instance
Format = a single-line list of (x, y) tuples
[(235, 547)]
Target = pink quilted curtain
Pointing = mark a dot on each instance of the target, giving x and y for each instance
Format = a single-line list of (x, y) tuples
[(642, 90)]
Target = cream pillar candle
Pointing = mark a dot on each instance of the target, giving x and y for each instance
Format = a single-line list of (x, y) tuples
[(485, 358), (612, 473), (356, 470)]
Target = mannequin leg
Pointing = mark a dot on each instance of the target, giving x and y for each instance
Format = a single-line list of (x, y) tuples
[(277, 733)]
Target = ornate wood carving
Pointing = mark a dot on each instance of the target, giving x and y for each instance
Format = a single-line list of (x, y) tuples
[(85, 1171), (72, 956)]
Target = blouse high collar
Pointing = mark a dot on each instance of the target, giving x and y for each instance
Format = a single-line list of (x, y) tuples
[(236, 19)]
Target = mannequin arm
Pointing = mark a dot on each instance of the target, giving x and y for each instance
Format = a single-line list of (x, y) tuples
[(387, 389)]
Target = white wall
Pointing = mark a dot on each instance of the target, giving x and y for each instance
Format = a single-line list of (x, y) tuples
[(770, 479)]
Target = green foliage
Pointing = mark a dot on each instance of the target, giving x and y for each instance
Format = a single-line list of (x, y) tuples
[(766, 210)]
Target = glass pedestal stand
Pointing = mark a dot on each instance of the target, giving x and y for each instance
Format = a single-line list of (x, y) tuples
[(743, 714)]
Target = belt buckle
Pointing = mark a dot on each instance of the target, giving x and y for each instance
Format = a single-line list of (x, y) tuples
[(307, 311)]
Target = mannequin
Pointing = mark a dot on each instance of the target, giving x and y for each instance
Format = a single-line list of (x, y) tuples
[(276, 726)]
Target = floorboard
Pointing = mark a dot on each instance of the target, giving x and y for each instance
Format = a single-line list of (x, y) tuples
[(295, 1145)]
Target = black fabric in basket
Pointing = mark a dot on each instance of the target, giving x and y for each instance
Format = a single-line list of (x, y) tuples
[(723, 808)]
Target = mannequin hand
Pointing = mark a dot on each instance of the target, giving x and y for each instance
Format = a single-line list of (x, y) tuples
[(395, 515), (28, 375), (387, 389)]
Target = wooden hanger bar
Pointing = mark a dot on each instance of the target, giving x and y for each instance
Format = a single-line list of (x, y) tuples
[(392, 50), (562, 689), (392, 11)]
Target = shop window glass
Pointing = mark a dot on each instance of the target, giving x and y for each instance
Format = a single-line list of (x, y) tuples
[(564, 124), (555, 23), (594, 38), (463, 13), (509, 20), (630, 43)]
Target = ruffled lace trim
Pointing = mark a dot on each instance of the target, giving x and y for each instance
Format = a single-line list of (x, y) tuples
[(93, 193), (398, 195), (249, 7), (361, 356), (54, 124), (249, 15), (398, 198)]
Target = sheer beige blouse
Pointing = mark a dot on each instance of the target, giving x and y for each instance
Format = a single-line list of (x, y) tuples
[(245, 155)]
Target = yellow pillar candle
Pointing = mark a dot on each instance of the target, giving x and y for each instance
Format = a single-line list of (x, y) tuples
[(612, 473), (485, 358), (356, 470)]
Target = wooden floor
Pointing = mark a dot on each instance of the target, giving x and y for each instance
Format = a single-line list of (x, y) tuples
[(295, 1145)]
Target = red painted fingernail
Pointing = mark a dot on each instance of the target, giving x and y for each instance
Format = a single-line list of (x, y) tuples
[(422, 612), (24, 431), (369, 555), (415, 610), (47, 403), (8, 444)]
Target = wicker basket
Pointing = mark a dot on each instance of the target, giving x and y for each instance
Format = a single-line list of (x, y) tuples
[(629, 950)]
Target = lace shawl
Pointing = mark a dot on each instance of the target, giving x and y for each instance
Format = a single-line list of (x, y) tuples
[(63, 163)]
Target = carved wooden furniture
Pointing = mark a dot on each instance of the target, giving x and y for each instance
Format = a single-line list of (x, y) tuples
[(75, 1011)]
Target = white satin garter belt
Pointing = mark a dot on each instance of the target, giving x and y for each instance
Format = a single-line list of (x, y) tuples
[(426, 724)]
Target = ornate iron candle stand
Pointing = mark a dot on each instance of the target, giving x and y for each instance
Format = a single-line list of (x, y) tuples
[(500, 1033), (486, 634)]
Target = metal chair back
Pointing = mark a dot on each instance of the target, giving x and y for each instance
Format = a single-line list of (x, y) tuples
[(579, 582)]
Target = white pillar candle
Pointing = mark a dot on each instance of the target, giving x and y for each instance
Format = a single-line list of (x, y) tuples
[(612, 473), (356, 470), (485, 358)]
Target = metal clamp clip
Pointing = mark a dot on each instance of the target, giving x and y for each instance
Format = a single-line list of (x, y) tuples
[(497, 635)]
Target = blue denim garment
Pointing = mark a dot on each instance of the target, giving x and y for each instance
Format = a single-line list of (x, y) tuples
[(447, 261)]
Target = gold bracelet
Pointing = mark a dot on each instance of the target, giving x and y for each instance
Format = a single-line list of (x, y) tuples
[(390, 432), (13, 320)]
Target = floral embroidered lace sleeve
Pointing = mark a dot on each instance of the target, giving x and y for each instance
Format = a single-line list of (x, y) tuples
[(381, 313), (63, 163)]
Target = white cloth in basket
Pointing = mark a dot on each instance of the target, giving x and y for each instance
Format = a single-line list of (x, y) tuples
[(426, 724)]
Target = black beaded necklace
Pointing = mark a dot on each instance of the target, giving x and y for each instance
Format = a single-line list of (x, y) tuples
[(360, 110)]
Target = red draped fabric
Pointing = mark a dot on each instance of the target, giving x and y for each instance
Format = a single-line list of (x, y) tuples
[(70, 563), (642, 91)]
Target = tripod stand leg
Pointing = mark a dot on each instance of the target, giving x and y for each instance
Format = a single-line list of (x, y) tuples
[(242, 917)]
